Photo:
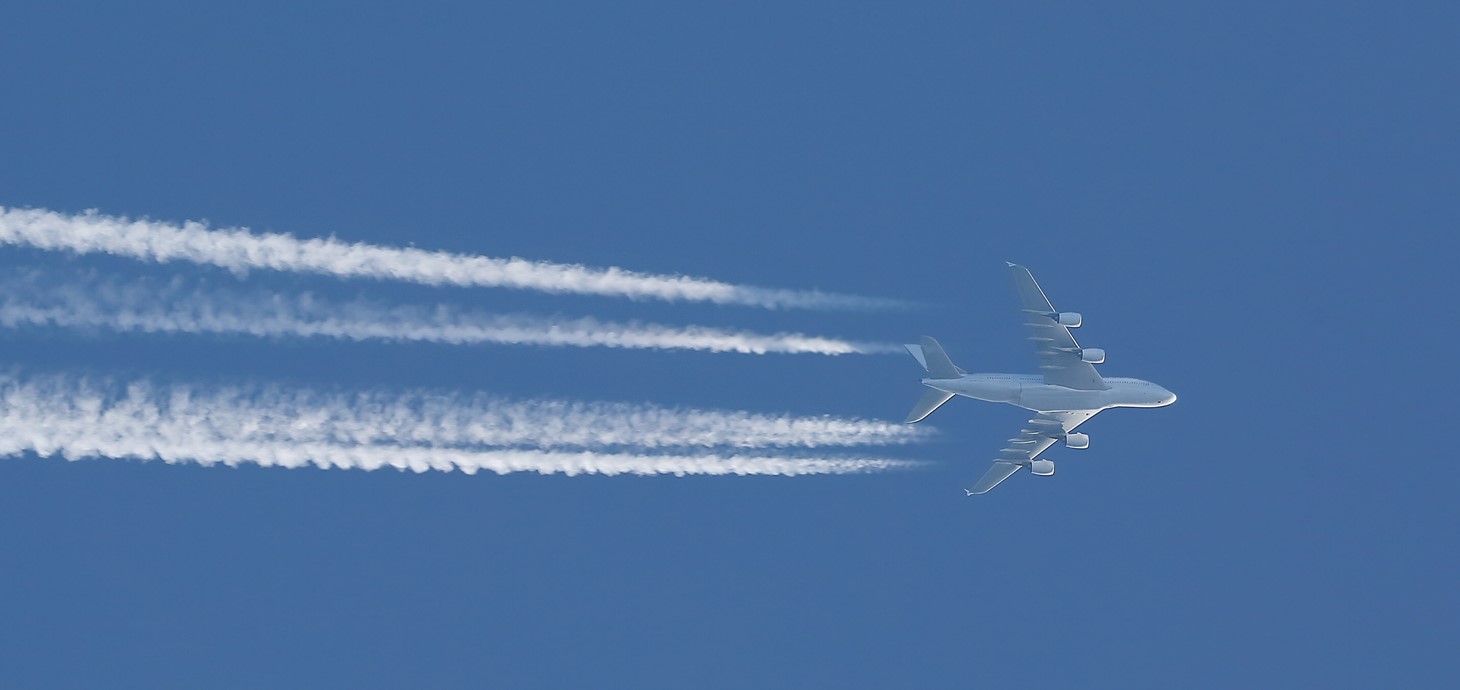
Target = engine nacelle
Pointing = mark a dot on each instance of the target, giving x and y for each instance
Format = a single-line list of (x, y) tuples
[(1093, 355), (1042, 468), (1077, 441), (1069, 319)]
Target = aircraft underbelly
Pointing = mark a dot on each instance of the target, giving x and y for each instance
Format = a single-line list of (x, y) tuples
[(984, 388), (1042, 397)]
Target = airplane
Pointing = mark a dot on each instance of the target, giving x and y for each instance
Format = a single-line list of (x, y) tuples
[(1067, 394)]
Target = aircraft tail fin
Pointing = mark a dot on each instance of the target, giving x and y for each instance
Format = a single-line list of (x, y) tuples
[(931, 355), (931, 400)]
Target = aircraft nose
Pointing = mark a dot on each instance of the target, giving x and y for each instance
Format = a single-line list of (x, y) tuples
[(1170, 397)]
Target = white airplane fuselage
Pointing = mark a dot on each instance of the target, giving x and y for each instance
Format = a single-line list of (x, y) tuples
[(1066, 393), (1030, 392)]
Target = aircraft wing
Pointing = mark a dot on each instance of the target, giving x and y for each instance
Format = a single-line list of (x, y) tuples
[(1037, 436), (1059, 357)]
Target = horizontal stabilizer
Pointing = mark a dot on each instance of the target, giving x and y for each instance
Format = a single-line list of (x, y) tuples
[(931, 400), (998, 473)]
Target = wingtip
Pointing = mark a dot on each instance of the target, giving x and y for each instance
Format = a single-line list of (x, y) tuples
[(1010, 264)]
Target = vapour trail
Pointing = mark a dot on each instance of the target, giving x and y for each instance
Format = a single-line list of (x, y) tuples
[(240, 250), (111, 443), (272, 413), (40, 299), (77, 418)]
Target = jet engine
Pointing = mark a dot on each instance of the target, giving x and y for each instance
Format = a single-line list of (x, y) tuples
[(1093, 355), (1042, 468), (1069, 319), (1077, 441)]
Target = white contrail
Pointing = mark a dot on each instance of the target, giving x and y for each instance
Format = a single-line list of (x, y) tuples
[(173, 307), (437, 418), (240, 250), (77, 418), (444, 418), (108, 443)]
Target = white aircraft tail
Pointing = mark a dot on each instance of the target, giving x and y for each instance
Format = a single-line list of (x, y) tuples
[(931, 400), (931, 355)]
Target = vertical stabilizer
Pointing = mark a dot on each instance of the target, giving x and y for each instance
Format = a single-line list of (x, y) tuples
[(936, 361), (931, 355)]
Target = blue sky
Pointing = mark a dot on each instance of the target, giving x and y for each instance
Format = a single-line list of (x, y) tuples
[(1252, 206)]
